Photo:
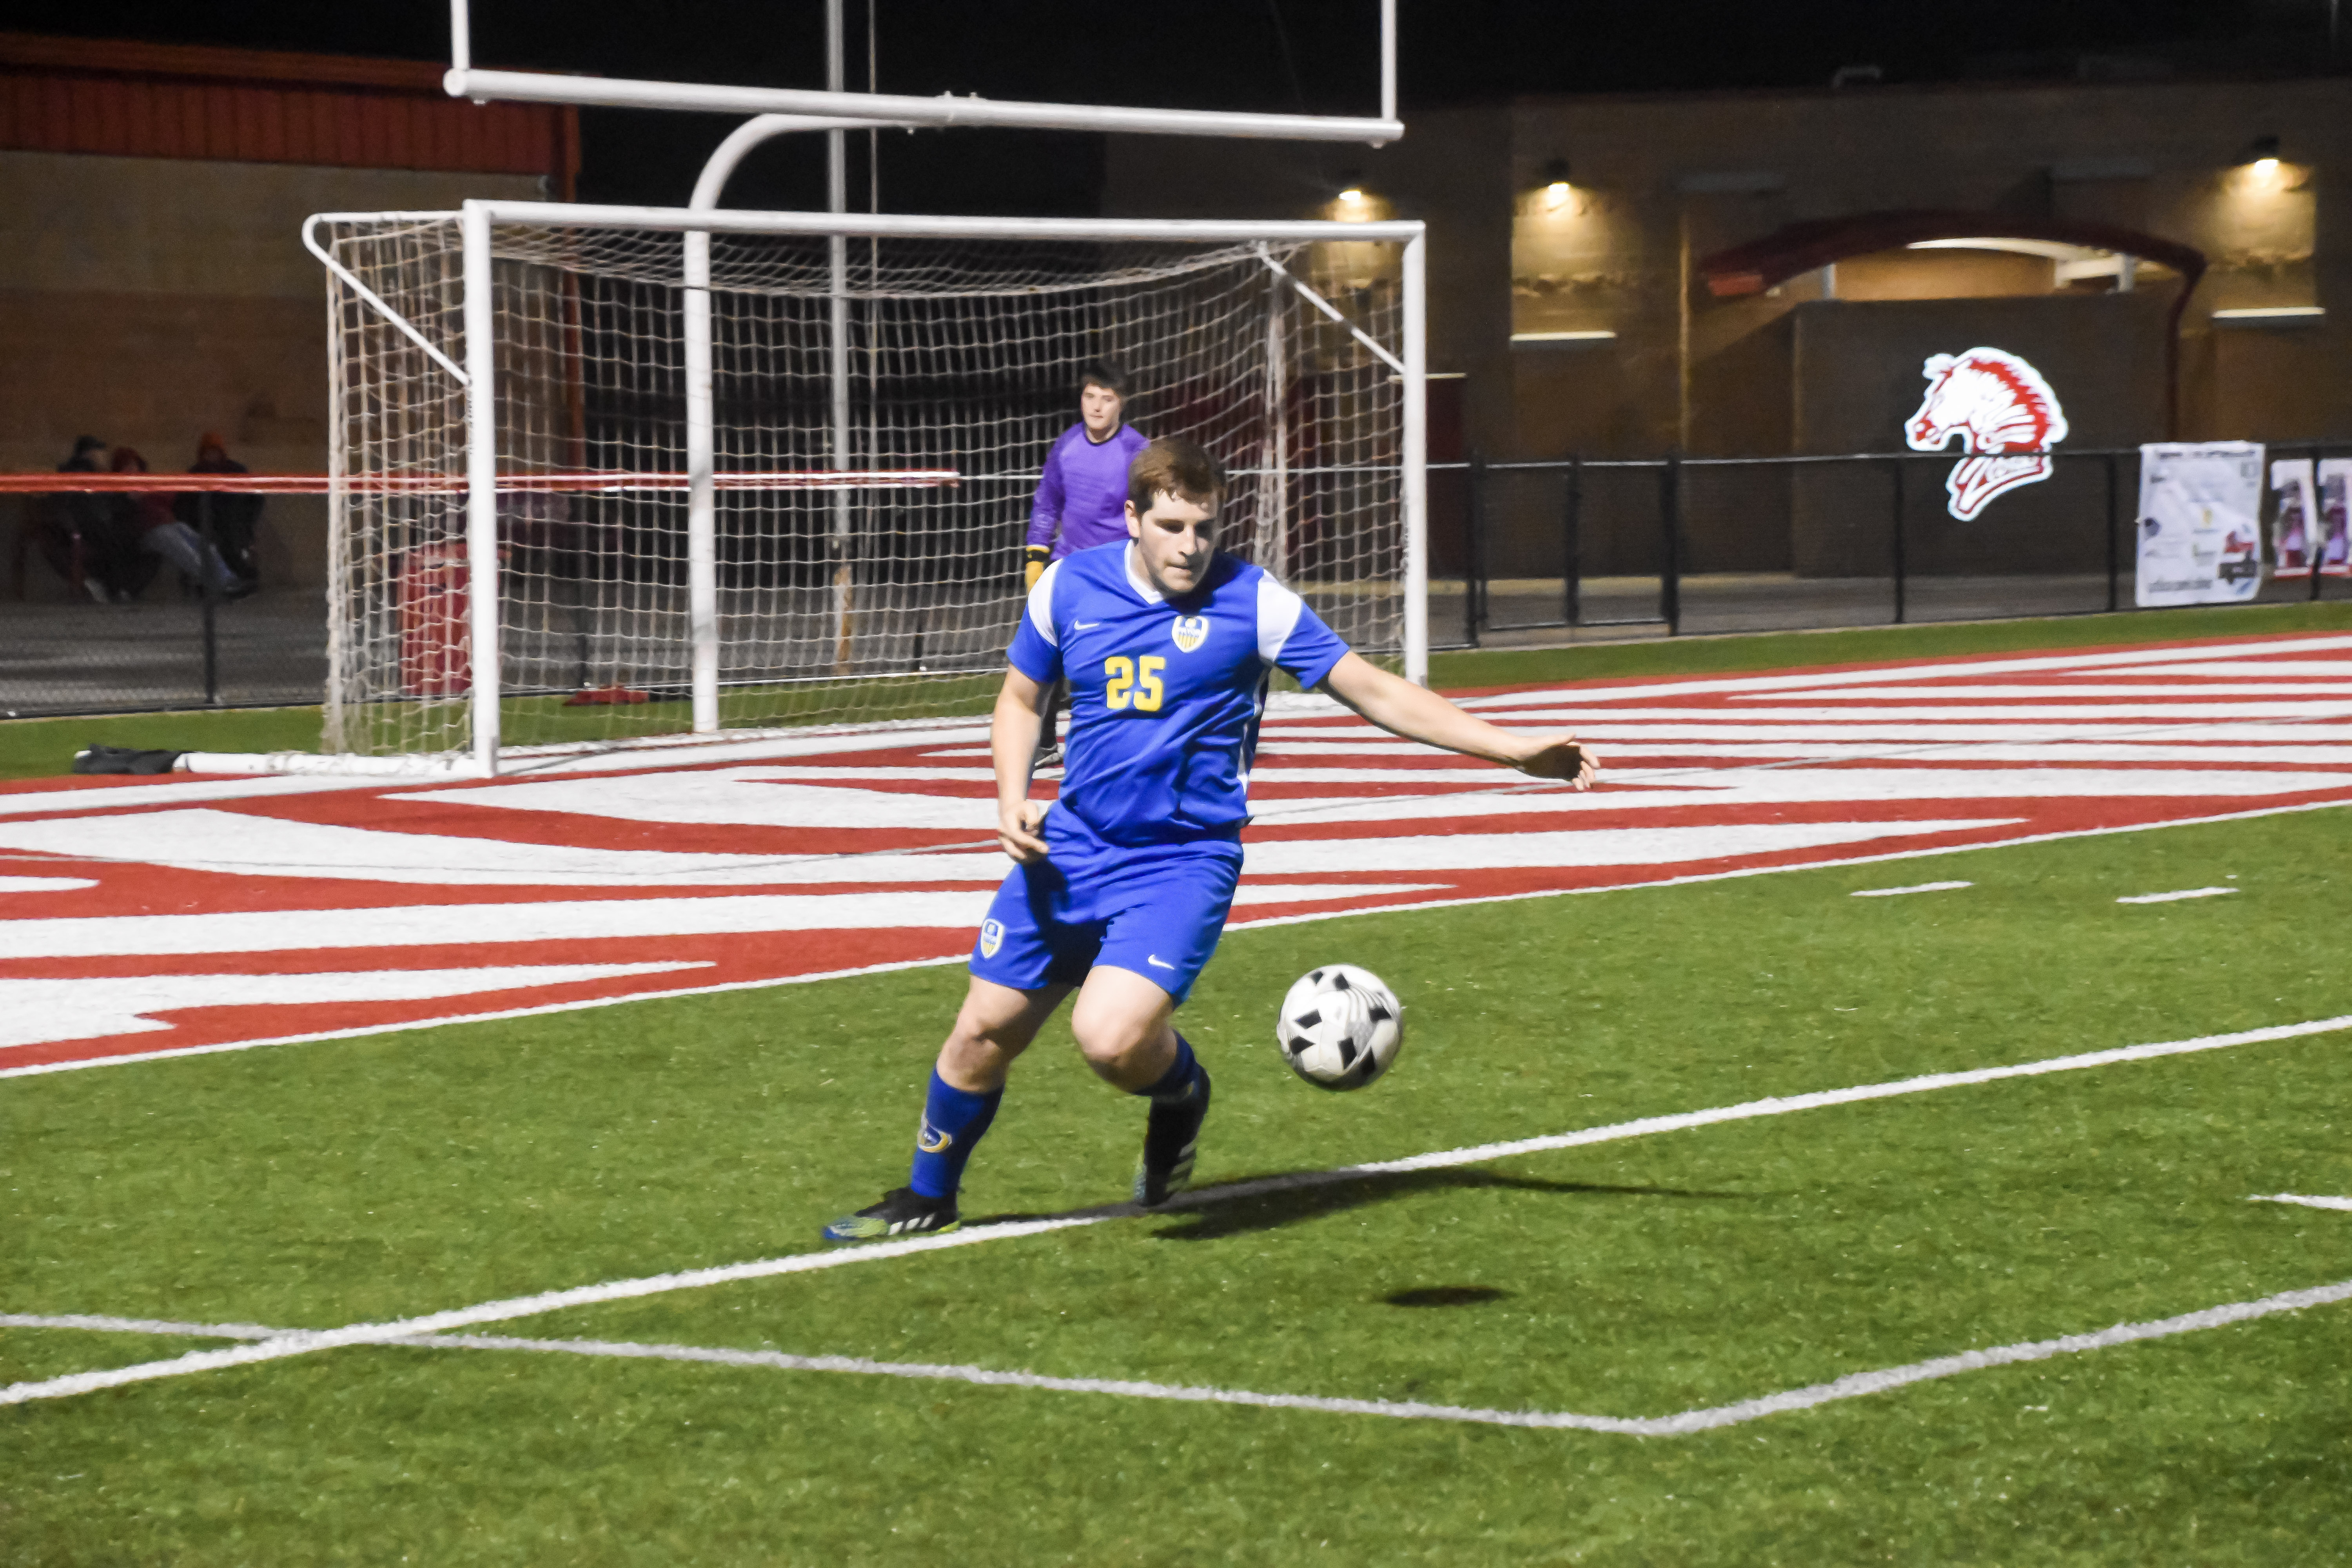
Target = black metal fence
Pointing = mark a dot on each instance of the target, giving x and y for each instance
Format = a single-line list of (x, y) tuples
[(89, 629), (1521, 554), (1569, 549)]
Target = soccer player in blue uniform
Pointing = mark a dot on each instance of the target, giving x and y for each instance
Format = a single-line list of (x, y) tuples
[(1120, 891)]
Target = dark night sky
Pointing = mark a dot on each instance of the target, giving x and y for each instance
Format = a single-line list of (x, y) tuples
[(1320, 55)]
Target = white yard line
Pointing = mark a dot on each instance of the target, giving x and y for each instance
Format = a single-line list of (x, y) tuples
[(950, 732), (1775, 870), (2309, 1203), (41, 1069), (303, 1342), (1933, 670), (1856, 1385), (1918, 887), (2106, 714), (2176, 897), (505, 1014), (1909, 743), (85, 797), (160, 1326), (2297, 687), (1783, 1105), (118, 797), (307, 1340), (1652, 728), (1861, 1383)]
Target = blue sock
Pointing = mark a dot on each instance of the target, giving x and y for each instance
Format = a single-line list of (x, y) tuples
[(1177, 1084), (953, 1121)]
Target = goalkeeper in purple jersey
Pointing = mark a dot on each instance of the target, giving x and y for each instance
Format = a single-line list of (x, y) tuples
[(1082, 495), (1119, 891), (1081, 498)]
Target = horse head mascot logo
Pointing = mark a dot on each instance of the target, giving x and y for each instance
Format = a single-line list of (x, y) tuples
[(2003, 412)]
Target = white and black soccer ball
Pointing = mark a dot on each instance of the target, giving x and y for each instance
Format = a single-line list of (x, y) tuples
[(1340, 1026)]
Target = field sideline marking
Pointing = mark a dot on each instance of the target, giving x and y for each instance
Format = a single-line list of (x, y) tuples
[(2309, 1203), (2176, 897), (1855, 1385), (1693, 878), (1918, 887), (303, 1342), (1778, 1105)]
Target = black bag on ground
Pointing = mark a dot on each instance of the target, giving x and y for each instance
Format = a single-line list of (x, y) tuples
[(123, 760)]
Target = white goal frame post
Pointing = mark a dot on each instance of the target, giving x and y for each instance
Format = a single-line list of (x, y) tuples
[(478, 375), (834, 112)]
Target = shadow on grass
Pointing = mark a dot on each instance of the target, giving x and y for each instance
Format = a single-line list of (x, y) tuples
[(1264, 1203), (1251, 1208), (1446, 1296)]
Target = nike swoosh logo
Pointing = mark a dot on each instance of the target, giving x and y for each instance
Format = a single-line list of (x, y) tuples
[(1084, 625), (1153, 958)]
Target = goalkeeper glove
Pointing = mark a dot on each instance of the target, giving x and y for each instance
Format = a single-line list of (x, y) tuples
[(1033, 566)]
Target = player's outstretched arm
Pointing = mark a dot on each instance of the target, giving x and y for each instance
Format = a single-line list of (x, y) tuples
[(1012, 745), (1403, 708)]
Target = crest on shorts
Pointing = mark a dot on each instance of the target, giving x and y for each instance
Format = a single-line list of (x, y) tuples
[(1191, 631), (991, 937)]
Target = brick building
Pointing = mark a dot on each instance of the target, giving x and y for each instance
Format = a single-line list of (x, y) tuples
[(152, 279), (1764, 273)]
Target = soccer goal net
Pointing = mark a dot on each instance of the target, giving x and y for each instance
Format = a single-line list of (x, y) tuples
[(879, 410)]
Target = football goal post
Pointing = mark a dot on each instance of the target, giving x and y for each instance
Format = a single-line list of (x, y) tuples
[(634, 476)]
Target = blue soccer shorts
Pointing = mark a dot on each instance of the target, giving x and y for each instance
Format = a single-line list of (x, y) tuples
[(1153, 910)]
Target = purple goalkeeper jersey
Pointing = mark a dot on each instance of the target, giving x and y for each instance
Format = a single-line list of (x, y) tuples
[(1084, 489)]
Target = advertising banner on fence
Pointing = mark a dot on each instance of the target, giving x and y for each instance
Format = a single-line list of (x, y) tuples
[(2200, 522), (2335, 544), (2292, 533)]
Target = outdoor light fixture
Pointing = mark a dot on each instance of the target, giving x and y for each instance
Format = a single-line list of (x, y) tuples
[(1556, 183), (1351, 186), (2265, 154)]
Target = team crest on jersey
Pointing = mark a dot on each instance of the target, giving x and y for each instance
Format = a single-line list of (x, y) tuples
[(1191, 631), (991, 937)]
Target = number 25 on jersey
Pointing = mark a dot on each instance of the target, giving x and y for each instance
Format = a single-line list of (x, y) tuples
[(1133, 683)]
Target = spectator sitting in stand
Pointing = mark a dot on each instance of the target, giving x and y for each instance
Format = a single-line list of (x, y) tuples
[(81, 536), (160, 533), (236, 513)]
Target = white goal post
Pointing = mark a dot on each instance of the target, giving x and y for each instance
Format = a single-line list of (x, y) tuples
[(694, 478)]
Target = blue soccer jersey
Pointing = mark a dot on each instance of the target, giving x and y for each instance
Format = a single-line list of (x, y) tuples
[(1165, 694)]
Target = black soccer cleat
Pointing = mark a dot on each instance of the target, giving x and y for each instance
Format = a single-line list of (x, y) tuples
[(903, 1211), (1172, 1134)]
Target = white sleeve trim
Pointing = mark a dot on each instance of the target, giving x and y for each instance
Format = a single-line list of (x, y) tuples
[(1040, 605), (1278, 616)]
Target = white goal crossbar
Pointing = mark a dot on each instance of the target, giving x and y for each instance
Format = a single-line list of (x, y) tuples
[(475, 369), (833, 109)]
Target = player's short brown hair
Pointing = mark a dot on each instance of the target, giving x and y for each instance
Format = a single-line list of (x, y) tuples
[(1105, 373), (1173, 466)]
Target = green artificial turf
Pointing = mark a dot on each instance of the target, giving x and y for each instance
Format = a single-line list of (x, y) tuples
[(43, 748), (400, 1173)]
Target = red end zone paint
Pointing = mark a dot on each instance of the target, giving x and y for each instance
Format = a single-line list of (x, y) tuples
[(212, 915)]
